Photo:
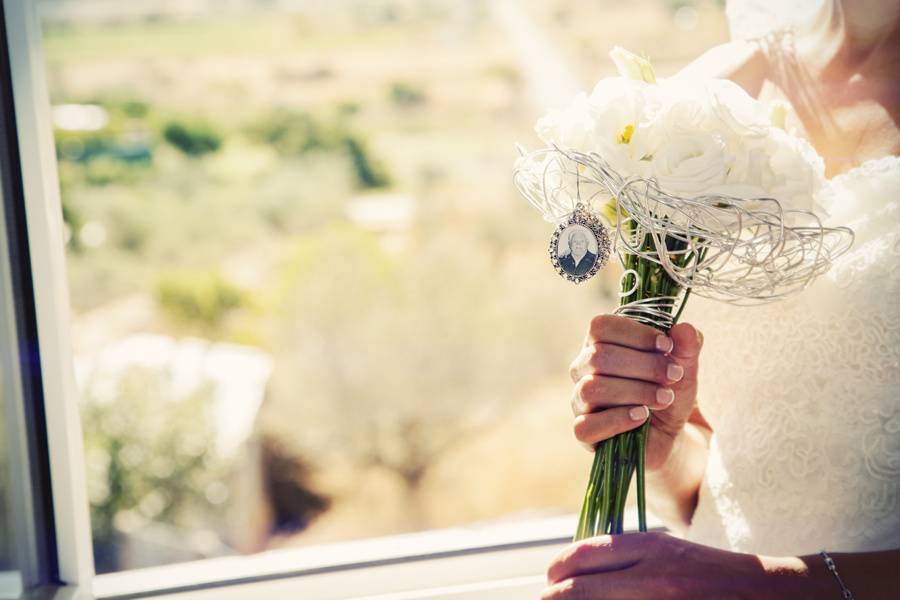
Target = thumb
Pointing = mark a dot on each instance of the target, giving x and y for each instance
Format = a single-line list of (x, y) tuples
[(687, 341)]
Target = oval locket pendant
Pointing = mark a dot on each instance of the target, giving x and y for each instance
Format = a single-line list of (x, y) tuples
[(580, 246)]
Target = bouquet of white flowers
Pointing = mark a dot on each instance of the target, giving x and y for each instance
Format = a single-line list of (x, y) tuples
[(706, 192), (694, 137)]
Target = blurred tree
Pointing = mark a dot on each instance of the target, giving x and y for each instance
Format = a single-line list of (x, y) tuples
[(369, 172), (193, 138), (405, 94), (147, 463), (293, 133), (389, 360), (72, 219), (123, 136), (199, 298)]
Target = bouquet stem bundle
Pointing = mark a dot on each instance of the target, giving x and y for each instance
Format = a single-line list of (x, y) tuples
[(649, 295)]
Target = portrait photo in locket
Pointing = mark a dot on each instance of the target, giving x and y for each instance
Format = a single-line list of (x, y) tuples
[(577, 250)]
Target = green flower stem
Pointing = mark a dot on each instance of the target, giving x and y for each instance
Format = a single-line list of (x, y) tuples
[(584, 526), (641, 484), (604, 508), (619, 458), (625, 467)]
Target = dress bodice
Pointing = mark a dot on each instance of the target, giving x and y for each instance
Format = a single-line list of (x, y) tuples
[(803, 395)]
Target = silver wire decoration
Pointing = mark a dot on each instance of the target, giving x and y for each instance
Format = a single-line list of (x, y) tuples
[(742, 251)]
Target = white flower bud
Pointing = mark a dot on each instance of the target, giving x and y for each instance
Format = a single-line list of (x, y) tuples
[(632, 66)]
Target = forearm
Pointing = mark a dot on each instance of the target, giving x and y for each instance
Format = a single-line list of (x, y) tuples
[(868, 575), (674, 487)]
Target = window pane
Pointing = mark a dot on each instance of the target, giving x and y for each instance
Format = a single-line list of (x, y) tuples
[(12, 461), (27, 552), (308, 303)]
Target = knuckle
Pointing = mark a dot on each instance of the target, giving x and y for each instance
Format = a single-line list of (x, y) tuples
[(590, 428), (588, 388), (573, 370), (557, 568), (580, 554), (551, 593), (655, 537), (575, 366), (581, 428), (600, 324), (577, 589), (581, 389), (601, 356)]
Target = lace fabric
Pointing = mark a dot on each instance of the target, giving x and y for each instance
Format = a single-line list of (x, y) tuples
[(804, 395)]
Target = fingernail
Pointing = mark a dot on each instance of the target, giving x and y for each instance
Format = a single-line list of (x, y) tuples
[(664, 396), (638, 413), (664, 344), (675, 372), (699, 337)]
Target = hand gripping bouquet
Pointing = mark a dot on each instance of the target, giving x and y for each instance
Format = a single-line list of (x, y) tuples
[(697, 188)]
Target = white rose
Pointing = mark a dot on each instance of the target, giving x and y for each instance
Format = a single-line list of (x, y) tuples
[(624, 113), (616, 121), (796, 170), (781, 166), (748, 170), (690, 164), (714, 106), (734, 111), (571, 128)]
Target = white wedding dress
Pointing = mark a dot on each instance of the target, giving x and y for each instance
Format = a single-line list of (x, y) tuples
[(803, 395)]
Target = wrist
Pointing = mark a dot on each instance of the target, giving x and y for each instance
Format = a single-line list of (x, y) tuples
[(682, 448), (797, 578), (675, 484)]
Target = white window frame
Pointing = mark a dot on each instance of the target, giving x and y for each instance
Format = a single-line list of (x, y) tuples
[(51, 293), (515, 553)]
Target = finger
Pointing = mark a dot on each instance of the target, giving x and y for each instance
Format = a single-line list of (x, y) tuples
[(686, 352), (594, 392), (596, 555), (687, 342), (614, 585), (619, 361), (596, 427), (614, 329)]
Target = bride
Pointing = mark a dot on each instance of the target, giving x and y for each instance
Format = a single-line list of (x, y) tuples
[(783, 472)]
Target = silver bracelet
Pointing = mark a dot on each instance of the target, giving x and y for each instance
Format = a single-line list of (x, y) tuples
[(845, 593)]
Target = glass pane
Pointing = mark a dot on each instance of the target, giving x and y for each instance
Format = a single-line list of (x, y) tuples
[(23, 551), (308, 302), (12, 463)]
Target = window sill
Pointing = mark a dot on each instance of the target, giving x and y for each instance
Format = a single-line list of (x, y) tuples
[(504, 559), (11, 584)]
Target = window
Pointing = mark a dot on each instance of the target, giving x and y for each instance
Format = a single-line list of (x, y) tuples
[(308, 312), (27, 544)]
